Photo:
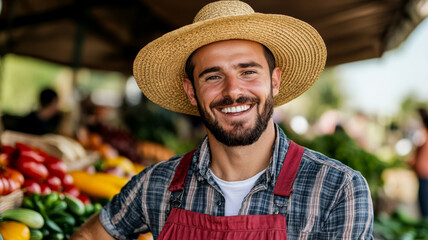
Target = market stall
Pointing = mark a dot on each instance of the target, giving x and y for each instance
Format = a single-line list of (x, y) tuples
[(51, 184)]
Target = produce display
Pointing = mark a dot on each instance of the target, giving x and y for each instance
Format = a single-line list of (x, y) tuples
[(55, 200), (62, 215), (53, 207), (42, 173)]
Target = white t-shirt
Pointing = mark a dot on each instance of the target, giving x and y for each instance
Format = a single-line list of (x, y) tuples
[(235, 192)]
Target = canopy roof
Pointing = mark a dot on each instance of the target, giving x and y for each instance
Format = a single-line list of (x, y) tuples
[(107, 34)]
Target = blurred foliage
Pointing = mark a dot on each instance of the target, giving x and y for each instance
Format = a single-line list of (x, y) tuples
[(324, 95), (400, 226), (342, 147), (21, 81), (150, 122)]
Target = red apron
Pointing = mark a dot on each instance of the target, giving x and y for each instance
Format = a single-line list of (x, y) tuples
[(184, 224)]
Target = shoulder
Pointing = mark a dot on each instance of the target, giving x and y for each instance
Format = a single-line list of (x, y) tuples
[(328, 173), (161, 172), (314, 159)]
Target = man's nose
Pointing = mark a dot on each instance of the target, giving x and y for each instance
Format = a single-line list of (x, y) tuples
[(232, 87)]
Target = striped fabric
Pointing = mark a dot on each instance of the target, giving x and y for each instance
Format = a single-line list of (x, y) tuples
[(329, 201)]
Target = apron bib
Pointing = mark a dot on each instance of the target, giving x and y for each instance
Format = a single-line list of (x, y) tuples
[(184, 224)]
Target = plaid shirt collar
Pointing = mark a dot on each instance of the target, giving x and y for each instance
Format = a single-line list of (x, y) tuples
[(202, 158)]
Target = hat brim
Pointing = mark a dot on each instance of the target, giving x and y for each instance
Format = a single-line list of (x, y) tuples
[(298, 49)]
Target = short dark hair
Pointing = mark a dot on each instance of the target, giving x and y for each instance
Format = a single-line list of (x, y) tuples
[(47, 96), (190, 66), (423, 113)]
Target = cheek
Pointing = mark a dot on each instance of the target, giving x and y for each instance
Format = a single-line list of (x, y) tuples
[(208, 94)]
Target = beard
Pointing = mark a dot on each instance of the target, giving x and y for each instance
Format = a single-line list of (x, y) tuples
[(238, 136)]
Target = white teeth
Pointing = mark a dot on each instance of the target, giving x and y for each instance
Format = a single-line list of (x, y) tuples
[(236, 109)]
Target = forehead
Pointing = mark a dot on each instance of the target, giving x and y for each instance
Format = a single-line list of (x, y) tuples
[(228, 48)]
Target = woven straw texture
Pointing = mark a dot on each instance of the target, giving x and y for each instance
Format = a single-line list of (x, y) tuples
[(298, 49), (11, 201)]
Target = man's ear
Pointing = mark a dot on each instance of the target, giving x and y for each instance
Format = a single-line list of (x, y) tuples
[(276, 80), (190, 91)]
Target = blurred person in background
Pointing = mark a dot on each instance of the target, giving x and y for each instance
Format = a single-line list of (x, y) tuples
[(420, 165), (46, 119)]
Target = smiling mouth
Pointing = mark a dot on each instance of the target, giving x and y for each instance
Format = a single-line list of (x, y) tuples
[(236, 109)]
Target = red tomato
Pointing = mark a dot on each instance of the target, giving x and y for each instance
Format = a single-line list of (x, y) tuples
[(11, 180), (13, 186), (56, 167), (32, 186), (6, 187), (53, 183), (72, 190), (67, 180), (32, 169), (22, 146), (14, 175), (1, 187), (32, 155), (4, 159), (7, 149), (84, 198), (44, 189)]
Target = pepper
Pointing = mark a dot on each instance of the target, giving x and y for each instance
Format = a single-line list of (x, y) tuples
[(14, 230)]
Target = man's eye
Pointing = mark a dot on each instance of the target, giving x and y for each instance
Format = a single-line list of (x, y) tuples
[(249, 72), (213, 77)]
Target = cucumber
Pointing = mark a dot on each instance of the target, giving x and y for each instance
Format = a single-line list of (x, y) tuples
[(28, 217), (36, 234), (75, 205), (57, 206), (64, 218)]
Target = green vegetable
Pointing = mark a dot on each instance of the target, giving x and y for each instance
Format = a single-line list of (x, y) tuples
[(64, 218), (97, 207), (36, 234), (56, 236), (75, 205), (89, 209), (27, 203), (45, 231), (28, 217), (57, 206), (53, 226), (50, 199)]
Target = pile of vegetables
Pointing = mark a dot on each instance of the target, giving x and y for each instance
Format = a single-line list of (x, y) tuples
[(50, 216), (53, 207), (10, 179), (42, 173), (56, 201)]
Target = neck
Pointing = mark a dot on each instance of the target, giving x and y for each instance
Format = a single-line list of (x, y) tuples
[(45, 113), (242, 162)]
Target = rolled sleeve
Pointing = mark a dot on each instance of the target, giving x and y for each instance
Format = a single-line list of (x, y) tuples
[(123, 217)]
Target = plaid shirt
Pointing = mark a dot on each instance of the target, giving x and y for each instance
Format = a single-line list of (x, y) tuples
[(329, 201)]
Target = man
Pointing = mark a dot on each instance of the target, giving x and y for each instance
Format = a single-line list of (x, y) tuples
[(246, 180), (47, 117)]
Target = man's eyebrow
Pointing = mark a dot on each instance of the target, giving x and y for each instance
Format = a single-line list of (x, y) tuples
[(209, 70), (250, 64)]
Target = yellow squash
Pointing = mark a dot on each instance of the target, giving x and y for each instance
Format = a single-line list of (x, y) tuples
[(102, 185), (14, 231)]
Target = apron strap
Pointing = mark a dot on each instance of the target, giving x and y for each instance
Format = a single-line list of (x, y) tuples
[(284, 184), (180, 175)]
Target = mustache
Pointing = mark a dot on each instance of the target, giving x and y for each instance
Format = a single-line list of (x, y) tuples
[(229, 101)]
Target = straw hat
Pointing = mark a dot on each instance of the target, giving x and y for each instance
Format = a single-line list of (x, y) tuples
[(298, 49)]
